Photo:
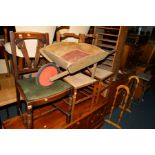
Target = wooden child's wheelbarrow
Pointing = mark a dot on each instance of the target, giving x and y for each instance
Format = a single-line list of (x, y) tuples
[(72, 57)]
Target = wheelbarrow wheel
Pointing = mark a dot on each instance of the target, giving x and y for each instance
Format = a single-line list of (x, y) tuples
[(45, 72)]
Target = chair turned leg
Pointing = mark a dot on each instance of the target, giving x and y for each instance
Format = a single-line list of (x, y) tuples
[(98, 87), (29, 117), (69, 116), (94, 95), (73, 103), (18, 103)]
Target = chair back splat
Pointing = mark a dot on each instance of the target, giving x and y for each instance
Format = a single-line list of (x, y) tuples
[(19, 40)]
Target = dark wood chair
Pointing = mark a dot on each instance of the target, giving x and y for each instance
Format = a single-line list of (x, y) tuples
[(35, 95)]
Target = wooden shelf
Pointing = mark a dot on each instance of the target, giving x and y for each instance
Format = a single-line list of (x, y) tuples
[(111, 38), (108, 40), (105, 67), (108, 28), (108, 34), (107, 46), (108, 63), (110, 58)]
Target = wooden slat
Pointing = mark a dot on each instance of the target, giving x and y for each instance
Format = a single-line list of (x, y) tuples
[(108, 34), (108, 63), (110, 58), (108, 40), (108, 50), (107, 46), (105, 67), (108, 28)]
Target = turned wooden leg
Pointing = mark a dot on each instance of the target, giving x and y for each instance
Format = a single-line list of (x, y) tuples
[(29, 117), (69, 117), (98, 91), (18, 103), (94, 94), (73, 103)]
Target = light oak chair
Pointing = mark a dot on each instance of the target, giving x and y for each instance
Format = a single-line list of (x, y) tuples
[(73, 29), (82, 83), (103, 76), (63, 36)]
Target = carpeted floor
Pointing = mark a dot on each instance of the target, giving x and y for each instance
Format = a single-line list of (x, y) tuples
[(142, 115)]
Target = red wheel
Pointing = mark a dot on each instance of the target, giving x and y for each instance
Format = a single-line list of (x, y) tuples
[(45, 72)]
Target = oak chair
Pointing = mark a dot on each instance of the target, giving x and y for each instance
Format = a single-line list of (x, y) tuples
[(111, 38), (63, 36), (82, 83), (103, 76), (73, 29), (35, 95), (121, 95)]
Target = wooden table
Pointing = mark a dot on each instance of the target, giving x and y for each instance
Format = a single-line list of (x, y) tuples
[(7, 90)]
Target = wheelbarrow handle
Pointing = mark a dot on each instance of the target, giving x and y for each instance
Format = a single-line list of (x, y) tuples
[(60, 75)]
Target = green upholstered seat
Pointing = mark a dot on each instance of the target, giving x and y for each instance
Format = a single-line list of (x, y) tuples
[(33, 91)]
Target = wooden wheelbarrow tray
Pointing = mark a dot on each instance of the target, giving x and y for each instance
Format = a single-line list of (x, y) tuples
[(72, 56)]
